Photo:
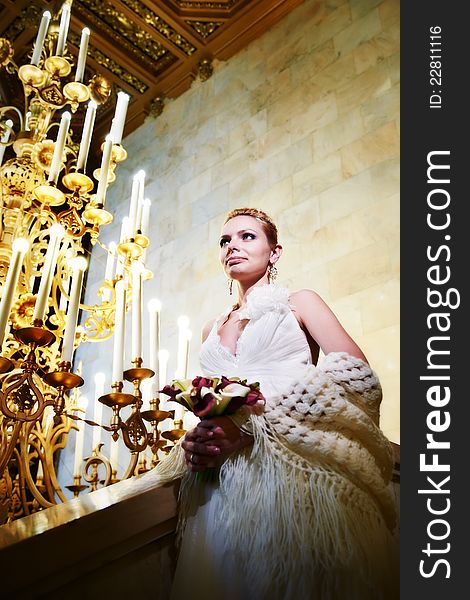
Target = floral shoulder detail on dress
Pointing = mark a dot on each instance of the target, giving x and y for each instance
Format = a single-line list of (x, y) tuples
[(263, 299)]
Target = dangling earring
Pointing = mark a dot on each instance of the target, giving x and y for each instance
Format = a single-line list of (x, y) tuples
[(272, 273), (230, 284)]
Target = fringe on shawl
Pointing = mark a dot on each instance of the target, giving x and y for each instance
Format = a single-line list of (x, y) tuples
[(309, 533), (315, 526), (171, 467)]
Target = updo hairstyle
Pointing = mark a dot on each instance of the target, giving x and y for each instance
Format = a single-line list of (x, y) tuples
[(269, 227)]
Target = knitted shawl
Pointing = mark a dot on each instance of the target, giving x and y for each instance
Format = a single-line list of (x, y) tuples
[(312, 498)]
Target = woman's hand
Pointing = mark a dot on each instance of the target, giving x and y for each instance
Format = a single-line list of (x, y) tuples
[(211, 442)]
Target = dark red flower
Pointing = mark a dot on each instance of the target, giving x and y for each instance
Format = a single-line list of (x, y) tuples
[(253, 397), (169, 390), (200, 382), (202, 406)]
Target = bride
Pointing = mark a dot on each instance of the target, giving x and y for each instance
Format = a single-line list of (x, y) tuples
[(303, 506)]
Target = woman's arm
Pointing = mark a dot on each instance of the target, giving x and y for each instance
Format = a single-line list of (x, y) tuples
[(321, 323)]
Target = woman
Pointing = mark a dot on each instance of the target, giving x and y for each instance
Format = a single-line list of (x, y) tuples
[(303, 506)]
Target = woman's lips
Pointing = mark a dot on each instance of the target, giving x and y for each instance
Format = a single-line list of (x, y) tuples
[(233, 260)]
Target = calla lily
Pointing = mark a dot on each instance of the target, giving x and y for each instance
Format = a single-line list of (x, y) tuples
[(184, 398), (208, 397), (182, 384), (236, 389), (205, 406)]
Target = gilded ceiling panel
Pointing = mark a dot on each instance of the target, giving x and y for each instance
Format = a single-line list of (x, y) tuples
[(204, 29), (159, 25), (153, 49), (117, 25)]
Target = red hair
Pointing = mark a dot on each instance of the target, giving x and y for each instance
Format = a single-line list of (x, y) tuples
[(269, 227)]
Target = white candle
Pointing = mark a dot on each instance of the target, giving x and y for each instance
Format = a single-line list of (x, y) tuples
[(82, 54), (19, 248), (57, 157), (146, 394), (137, 181), (141, 194), (154, 308), (86, 135), (42, 32), (144, 224), (122, 238), (4, 139), (40, 473), (119, 118), (183, 323), (188, 337), (119, 331), (138, 220), (79, 265), (56, 234), (105, 162), (79, 439), (114, 454), (163, 356), (109, 271), (63, 297), (119, 266), (98, 408), (124, 230), (63, 29), (136, 310), (108, 275), (48, 415)]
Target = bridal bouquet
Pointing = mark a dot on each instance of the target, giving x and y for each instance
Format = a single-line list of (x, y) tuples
[(209, 397)]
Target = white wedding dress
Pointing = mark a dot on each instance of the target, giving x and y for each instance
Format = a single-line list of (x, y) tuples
[(274, 351)]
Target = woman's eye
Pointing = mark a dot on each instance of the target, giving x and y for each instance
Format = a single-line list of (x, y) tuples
[(223, 241), (248, 236)]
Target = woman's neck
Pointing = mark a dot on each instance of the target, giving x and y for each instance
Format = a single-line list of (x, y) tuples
[(244, 289)]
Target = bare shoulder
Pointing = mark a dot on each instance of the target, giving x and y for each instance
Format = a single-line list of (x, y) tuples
[(305, 298), (316, 317), (207, 329), (304, 295)]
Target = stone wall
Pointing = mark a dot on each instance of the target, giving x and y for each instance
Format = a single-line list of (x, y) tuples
[(304, 124)]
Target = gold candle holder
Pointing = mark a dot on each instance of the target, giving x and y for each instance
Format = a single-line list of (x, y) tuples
[(32, 75), (116, 400), (57, 66), (34, 336), (97, 215), (77, 487), (62, 380), (93, 461), (64, 377), (154, 416), (78, 182), (130, 250), (111, 175), (49, 195), (142, 240), (136, 375), (134, 432), (175, 434), (76, 92), (118, 153)]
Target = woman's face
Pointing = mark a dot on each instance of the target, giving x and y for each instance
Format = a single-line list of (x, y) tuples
[(245, 251)]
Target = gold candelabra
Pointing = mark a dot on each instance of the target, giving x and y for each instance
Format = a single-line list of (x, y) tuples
[(52, 211)]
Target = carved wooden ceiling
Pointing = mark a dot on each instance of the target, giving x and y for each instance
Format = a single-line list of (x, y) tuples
[(153, 50)]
